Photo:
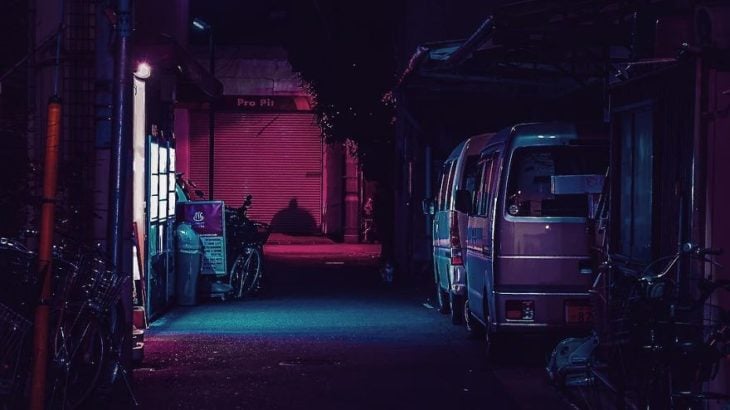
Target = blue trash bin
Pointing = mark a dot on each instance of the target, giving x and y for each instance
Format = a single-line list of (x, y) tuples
[(188, 259)]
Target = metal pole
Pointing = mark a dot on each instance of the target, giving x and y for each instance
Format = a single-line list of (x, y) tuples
[(119, 169), (427, 187), (211, 119), (120, 133)]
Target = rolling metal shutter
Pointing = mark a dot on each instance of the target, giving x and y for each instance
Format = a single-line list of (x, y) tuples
[(276, 157)]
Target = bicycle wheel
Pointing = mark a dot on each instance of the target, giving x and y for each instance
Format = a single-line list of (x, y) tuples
[(246, 272), (77, 364)]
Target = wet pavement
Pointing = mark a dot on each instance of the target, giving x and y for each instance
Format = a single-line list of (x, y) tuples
[(329, 334)]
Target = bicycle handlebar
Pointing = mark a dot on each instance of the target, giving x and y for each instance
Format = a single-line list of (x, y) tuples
[(711, 251), (699, 251)]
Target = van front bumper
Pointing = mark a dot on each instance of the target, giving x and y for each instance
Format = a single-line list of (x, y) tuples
[(457, 279)]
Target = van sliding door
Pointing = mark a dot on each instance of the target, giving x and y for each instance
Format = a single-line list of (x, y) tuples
[(479, 243)]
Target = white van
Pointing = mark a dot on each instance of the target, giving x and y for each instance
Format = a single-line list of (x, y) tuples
[(449, 225), (527, 258)]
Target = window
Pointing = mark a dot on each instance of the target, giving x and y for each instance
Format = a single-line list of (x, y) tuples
[(635, 183), (529, 192), (471, 171), (447, 180), (487, 185), (471, 177)]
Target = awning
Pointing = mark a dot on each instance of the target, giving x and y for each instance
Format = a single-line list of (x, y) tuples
[(537, 51)]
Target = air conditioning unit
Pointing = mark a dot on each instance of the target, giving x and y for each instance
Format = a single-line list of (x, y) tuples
[(711, 26)]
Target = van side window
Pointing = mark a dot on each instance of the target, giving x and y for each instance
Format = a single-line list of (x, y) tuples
[(447, 180), (486, 186), (471, 176), (442, 180)]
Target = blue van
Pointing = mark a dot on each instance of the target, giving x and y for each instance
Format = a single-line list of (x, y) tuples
[(456, 183)]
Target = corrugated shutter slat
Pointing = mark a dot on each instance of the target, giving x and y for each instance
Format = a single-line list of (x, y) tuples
[(276, 157)]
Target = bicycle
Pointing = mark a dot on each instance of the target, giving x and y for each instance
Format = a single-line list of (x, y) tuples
[(245, 242), (671, 354), (80, 337), (82, 342), (654, 354), (692, 352)]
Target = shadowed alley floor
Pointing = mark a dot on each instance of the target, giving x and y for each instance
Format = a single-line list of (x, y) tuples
[(329, 335)]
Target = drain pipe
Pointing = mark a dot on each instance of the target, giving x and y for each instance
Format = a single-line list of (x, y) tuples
[(46, 229), (697, 212)]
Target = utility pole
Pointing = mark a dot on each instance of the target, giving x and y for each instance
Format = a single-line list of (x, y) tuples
[(121, 102)]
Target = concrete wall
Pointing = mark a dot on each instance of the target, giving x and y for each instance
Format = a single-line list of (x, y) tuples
[(252, 70), (333, 185)]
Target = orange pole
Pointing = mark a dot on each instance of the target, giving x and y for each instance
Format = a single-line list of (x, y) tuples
[(45, 257)]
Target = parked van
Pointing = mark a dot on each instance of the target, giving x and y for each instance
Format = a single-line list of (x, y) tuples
[(527, 260), (449, 225)]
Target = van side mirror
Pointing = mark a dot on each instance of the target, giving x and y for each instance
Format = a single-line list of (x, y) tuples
[(463, 201), (429, 206)]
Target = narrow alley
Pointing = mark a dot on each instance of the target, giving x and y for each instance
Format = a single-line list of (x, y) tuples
[(329, 334)]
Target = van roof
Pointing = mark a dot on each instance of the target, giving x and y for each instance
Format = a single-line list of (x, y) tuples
[(456, 151), (476, 143), (543, 133)]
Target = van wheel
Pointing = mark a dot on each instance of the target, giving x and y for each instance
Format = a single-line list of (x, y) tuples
[(456, 306), (442, 299), (489, 343), (490, 337), (474, 329)]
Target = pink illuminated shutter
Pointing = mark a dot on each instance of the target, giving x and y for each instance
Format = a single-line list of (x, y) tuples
[(276, 157)]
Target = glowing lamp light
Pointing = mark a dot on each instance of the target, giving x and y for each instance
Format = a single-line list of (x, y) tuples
[(143, 71), (201, 24)]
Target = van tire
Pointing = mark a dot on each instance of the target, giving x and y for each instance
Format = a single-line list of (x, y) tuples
[(442, 299), (456, 306), (491, 343), (474, 329)]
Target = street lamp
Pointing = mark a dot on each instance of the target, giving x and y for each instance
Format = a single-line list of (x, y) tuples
[(202, 25)]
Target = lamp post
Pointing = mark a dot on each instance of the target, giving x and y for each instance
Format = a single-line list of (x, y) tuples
[(201, 25)]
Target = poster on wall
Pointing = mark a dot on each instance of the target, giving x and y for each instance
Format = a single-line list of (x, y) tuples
[(207, 218)]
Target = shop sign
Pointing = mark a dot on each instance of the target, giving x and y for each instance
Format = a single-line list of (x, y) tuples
[(263, 103), (207, 218)]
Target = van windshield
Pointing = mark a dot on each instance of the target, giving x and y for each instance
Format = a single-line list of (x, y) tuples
[(529, 191)]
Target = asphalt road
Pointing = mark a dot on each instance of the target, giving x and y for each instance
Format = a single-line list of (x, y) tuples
[(330, 335)]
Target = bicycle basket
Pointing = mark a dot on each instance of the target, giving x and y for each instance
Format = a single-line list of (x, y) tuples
[(105, 289), (19, 277), (13, 328), (15, 260), (263, 230), (248, 232)]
